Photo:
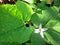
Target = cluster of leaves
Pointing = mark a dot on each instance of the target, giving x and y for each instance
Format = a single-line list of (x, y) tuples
[(19, 21)]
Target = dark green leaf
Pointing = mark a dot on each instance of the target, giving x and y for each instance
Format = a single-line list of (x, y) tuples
[(36, 39)]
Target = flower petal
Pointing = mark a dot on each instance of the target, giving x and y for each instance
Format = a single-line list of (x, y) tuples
[(44, 29), (36, 31), (40, 26), (42, 34)]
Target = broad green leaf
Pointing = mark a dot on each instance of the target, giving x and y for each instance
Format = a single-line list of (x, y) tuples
[(15, 11), (20, 35), (36, 39), (8, 21), (12, 28), (25, 10), (53, 32)]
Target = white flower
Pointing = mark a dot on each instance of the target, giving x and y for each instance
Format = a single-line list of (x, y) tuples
[(41, 30)]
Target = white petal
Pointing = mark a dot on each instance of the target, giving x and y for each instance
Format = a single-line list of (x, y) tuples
[(44, 29), (40, 26), (36, 31), (42, 34)]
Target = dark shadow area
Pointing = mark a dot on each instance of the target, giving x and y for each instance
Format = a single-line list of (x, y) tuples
[(46, 43), (50, 5), (37, 1), (28, 23), (25, 43)]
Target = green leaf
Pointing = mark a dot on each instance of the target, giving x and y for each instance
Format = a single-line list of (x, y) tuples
[(47, 14), (20, 35), (36, 39), (53, 32), (35, 20), (25, 10), (12, 27), (7, 20)]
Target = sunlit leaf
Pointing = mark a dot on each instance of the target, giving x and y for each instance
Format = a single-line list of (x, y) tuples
[(25, 9), (12, 28)]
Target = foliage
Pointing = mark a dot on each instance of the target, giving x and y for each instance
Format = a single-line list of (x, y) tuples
[(18, 22)]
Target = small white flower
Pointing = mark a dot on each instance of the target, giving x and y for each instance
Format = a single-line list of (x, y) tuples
[(41, 30)]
